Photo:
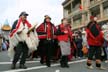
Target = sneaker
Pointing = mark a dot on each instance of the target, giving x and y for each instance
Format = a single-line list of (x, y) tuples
[(106, 61), (101, 68), (79, 57), (90, 67)]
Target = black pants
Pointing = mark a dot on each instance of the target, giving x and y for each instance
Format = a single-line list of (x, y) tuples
[(64, 61), (46, 50), (105, 55), (20, 51), (80, 53), (94, 50)]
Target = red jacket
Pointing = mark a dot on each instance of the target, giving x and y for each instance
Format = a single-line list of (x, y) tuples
[(42, 31), (61, 35), (94, 41)]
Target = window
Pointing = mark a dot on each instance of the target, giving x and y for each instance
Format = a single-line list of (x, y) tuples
[(106, 12), (105, 5), (77, 20), (68, 9)]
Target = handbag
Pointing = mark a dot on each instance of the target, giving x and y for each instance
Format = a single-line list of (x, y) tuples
[(85, 50)]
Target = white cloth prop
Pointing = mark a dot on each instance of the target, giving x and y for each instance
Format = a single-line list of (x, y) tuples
[(31, 39)]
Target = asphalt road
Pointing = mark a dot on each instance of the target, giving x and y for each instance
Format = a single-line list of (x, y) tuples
[(34, 66)]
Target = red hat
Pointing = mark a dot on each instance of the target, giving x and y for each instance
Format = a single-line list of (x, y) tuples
[(91, 17)]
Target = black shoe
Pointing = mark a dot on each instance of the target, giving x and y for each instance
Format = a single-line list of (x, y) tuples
[(48, 64), (22, 66), (13, 66), (67, 66), (42, 62), (62, 64)]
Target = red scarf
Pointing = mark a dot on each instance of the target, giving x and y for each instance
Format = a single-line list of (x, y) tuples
[(18, 25)]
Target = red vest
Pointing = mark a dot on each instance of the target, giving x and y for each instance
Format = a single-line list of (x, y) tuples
[(67, 35), (46, 31)]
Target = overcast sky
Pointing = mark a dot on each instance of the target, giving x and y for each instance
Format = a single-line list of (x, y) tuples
[(10, 9)]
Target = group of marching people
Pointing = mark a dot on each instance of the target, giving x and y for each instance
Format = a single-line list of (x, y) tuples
[(48, 34), (50, 40), (26, 38)]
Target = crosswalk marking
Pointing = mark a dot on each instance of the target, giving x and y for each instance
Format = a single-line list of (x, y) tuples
[(57, 71), (3, 63), (40, 67)]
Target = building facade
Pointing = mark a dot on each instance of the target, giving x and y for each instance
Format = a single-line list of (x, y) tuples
[(79, 11)]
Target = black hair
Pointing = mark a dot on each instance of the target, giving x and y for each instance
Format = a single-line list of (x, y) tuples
[(44, 21)]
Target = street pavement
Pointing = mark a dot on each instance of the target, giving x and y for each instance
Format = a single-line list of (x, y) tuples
[(76, 65)]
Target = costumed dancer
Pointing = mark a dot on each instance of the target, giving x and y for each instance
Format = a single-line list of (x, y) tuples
[(95, 41), (23, 38), (64, 36), (46, 35)]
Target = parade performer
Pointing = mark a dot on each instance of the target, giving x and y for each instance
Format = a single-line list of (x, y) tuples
[(64, 36), (23, 38), (46, 35), (95, 41), (105, 31)]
